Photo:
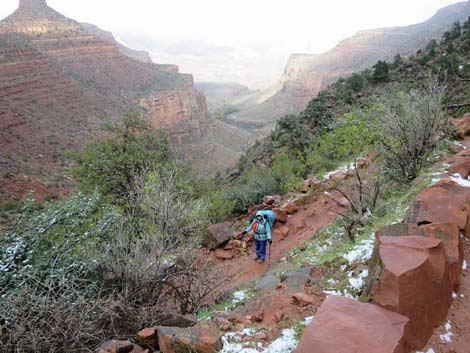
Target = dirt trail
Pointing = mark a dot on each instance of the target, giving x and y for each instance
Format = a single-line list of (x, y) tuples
[(303, 225)]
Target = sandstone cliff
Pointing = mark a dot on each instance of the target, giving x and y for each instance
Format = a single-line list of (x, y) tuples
[(59, 83), (305, 74)]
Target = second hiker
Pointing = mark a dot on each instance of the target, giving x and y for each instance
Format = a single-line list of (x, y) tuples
[(261, 227)]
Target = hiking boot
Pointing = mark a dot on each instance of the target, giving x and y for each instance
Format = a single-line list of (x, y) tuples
[(256, 258), (260, 261)]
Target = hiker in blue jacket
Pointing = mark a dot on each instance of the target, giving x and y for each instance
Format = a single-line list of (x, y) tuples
[(261, 228)]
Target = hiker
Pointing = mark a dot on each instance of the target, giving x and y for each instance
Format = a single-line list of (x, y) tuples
[(261, 227)]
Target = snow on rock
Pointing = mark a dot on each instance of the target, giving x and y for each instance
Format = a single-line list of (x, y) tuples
[(239, 297), (446, 337), (459, 180), (362, 251), (464, 265), (286, 343), (308, 320), (344, 168)]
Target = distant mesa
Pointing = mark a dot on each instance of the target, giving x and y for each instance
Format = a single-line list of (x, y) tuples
[(33, 3)]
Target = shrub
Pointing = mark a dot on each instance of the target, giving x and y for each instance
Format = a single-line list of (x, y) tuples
[(108, 164), (412, 125), (381, 72)]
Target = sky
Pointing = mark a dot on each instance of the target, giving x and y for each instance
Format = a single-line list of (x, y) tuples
[(283, 25)]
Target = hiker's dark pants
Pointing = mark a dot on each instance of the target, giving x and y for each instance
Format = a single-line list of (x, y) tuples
[(261, 249)]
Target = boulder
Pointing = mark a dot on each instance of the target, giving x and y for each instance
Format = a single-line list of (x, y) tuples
[(443, 203), (461, 167), (290, 207), (149, 336), (114, 346), (348, 326), (449, 233), (414, 282), (342, 202), (280, 231), (223, 254), (303, 299), (339, 175), (168, 317), (267, 283), (218, 235), (269, 200), (281, 215), (201, 338), (295, 281), (313, 183)]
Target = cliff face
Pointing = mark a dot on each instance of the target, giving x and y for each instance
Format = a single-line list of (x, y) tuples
[(59, 83), (305, 74)]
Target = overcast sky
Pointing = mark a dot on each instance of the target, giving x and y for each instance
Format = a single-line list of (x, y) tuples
[(287, 25)]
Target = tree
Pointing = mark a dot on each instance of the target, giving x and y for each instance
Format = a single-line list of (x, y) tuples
[(356, 82), (397, 60), (107, 164), (412, 125), (381, 72)]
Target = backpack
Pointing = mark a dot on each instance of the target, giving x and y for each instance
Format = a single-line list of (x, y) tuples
[(269, 216)]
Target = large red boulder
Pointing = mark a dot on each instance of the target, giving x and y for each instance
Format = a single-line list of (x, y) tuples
[(461, 167), (449, 233), (446, 202), (343, 325), (201, 338), (415, 282), (290, 207), (280, 214), (218, 235)]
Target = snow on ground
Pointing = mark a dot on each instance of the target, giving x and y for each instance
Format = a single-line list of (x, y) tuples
[(239, 297), (362, 251), (464, 265), (358, 283), (286, 343), (446, 337), (459, 180), (344, 168)]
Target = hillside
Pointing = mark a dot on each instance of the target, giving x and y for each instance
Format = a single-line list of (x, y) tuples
[(305, 75), (59, 84)]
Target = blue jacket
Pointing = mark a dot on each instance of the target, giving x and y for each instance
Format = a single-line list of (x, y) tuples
[(263, 229)]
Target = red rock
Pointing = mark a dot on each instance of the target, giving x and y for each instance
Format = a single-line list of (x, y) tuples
[(344, 325), (169, 317), (269, 200), (339, 175), (461, 167), (280, 231), (313, 183), (303, 299), (218, 235), (342, 202), (305, 186), (259, 315), (201, 338), (290, 207), (278, 316), (415, 283), (223, 254), (281, 215), (439, 204), (149, 336)]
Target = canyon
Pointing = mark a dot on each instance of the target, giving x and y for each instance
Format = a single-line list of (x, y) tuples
[(306, 74), (60, 82)]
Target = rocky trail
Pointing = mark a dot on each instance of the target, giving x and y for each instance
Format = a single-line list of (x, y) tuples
[(407, 288)]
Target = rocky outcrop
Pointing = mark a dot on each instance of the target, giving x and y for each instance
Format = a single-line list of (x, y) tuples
[(218, 235), (202, 338), (347, 326), (59, 83), (415, 282)]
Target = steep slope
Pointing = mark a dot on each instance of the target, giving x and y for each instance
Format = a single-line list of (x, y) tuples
[(305, 75), (107, 36), (59, 83)]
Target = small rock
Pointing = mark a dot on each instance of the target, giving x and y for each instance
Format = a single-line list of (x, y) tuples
[(223, 254), (259, 315), (290, 207), (278, 316), (148, 335), (280, 214), (303, 299)]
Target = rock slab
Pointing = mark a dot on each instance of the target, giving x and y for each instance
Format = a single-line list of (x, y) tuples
[(348, 326)]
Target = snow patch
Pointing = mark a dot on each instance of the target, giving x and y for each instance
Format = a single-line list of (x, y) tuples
[(239, 297), (464, 265), (459, 180), (358, 283), (454, 295), (308, 320), (430, 350), (362, 251), (286, 343), (446, 337)]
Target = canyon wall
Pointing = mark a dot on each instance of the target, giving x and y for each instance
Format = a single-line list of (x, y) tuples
[(59, 83)]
